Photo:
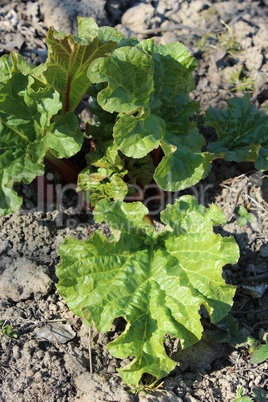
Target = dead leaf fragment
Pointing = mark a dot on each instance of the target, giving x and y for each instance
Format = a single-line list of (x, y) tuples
[(56, 332)]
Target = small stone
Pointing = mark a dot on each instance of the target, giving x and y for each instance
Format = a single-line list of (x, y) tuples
[(264, 251), (261, 37), (242, 30), (16, 352), (63, 14), (161, 7), (138, 18), (254, 59), (22, 278), (167, 37), (198, 5), (246, 43)]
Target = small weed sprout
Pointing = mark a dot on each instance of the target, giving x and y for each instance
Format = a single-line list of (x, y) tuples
[(239, 82), (245, 216), (225, 39), (7, 330), (260, 353)]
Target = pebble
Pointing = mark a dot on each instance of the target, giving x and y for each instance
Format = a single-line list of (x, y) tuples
[(16, 352), (242, 30), (254, 59), (139, 17), (264, 251), (22, 278), (198, 5), (63, 14), (261, 37)]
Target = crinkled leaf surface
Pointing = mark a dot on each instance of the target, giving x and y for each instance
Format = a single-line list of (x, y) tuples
[(104, 177), (102, 184), (183, 164), (5, 68), (69, 57), (182, 169), (148, 87), (242, 132), (129, 73), (156, 281), (26, 133), (137, 136), (140, 171)]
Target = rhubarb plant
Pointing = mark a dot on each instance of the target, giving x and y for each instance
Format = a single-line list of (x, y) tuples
[(37, 104), (156, 280), (27, 131), (142, 127), (242, 132), (142, 130), (141, 107), (143, 117)]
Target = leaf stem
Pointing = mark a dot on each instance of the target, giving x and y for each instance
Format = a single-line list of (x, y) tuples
[(156, 155), (90, 351), (67, 94), (68, 84), (66, 169)]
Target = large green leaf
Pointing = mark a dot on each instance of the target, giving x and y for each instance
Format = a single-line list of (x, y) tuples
[(26, 132), (68, 60), (183, 164), (137, 136), (173, 68), (182, 169), (148, 87), (156, 281), (242, 132), (144, 79), (129, 73)]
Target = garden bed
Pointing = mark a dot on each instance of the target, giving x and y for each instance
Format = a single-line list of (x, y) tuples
[(229, 40)]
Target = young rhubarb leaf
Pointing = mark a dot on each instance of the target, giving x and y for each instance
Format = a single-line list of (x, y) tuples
[(173, 68), (156, 281), (62, 137), (103, 178), (242, 132), (102, 184), (129, 72), (107, 174), (140, 171), (182, 168), (26, 132), (183, 164), (68, 60)]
